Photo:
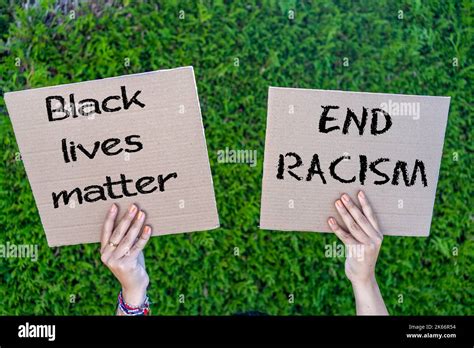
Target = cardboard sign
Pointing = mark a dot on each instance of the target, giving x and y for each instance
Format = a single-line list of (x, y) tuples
[(129, 139), (320, 144)]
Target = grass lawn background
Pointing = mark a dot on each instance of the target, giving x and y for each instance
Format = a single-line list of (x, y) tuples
[(427, 52)]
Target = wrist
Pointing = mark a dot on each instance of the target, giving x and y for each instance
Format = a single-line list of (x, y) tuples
[(135, 296), (368, 282)]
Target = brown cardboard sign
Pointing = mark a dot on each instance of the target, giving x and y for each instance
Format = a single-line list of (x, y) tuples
[(320, 144), (129, 139)]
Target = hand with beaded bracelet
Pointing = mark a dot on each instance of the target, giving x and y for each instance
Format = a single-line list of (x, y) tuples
[(121, 251)]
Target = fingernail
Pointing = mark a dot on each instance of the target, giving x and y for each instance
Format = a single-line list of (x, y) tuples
[(132, 210), (113, 208), (345, 198), (339, 204), (332, 221), (147, 229), (140, 215), (361, 195)]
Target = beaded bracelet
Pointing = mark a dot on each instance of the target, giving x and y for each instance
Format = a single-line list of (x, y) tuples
[(127, 309)]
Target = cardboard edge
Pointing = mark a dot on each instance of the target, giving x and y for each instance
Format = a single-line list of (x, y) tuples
[(263, 155), (439, 167), (423, 235), (20, 150), (206, 147), (358, 92), (54, 245), (7, 94)]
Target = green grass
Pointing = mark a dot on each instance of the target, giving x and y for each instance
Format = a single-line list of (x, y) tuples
[(413, 55)]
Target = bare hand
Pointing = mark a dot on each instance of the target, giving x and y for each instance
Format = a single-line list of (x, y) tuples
[(362, 236), (363, 240)]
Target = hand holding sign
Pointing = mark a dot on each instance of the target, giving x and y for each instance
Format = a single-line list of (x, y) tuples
[(362, 231), (362, 240), (121, 251)]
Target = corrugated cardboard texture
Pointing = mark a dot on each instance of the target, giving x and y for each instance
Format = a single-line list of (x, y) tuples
[(170, 130), (293, 126)]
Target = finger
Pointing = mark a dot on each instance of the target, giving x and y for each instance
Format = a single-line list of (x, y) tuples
[(344, 236), (141, 242), (108, 226), (352, 226), (359, 217), (368, 211), (129, 239), (124, 224), (120, 230)]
